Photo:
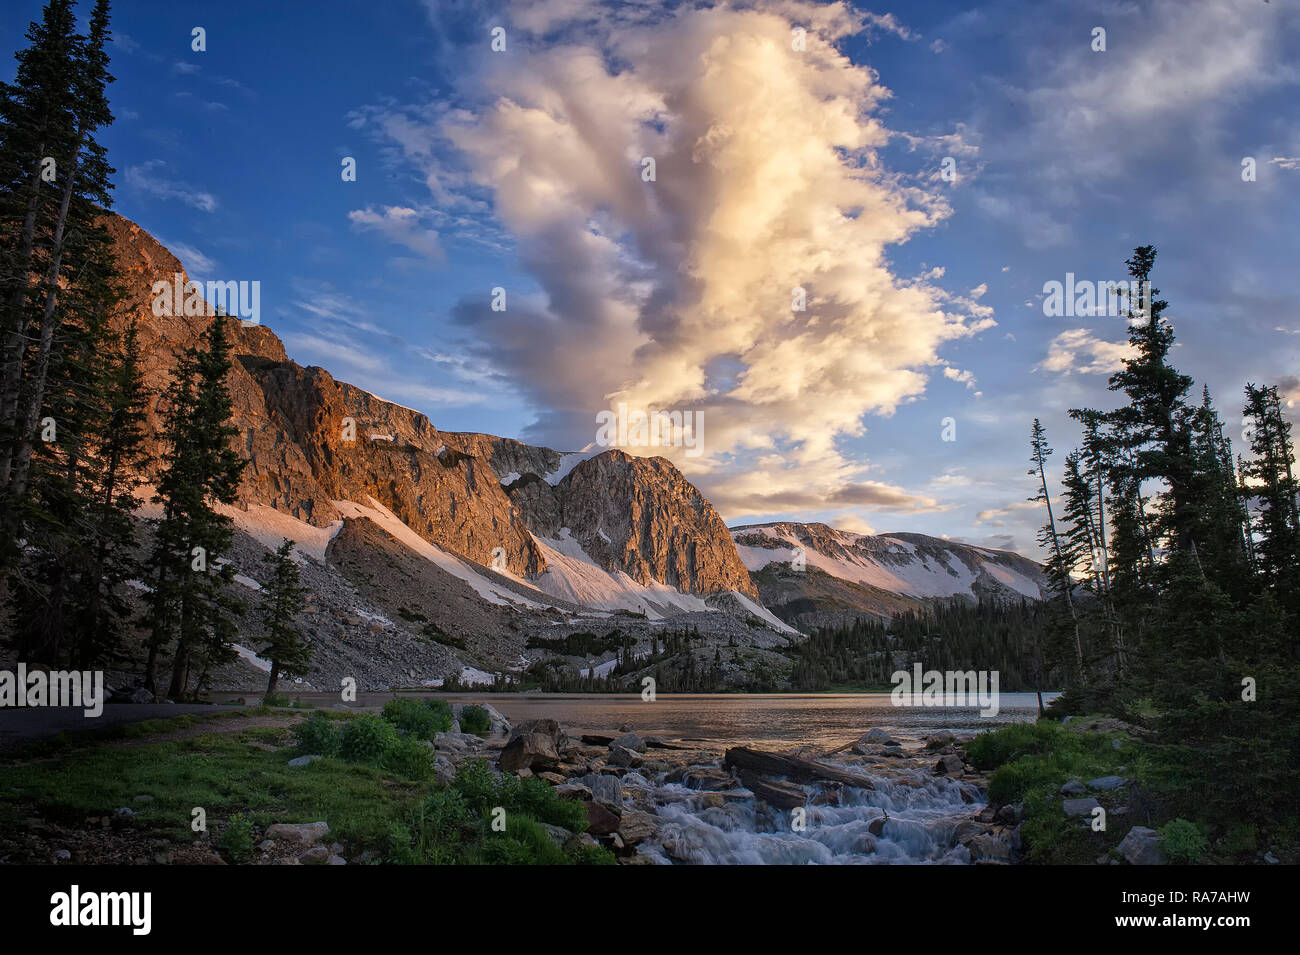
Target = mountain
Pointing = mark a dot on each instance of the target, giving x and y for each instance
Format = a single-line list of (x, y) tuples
[(538, 540), (846, 575)]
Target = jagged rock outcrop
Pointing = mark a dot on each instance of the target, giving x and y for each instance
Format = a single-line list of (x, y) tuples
[(312, 440), (640, 516)]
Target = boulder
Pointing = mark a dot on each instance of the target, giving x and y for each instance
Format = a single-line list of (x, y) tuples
[(1080, 807), (636, 827), (600, 820), (606, 790), (316, 855), (988, 848), (622, 756), (303, 760), (528, 751), (1073, 788), (949, 766), (546, 727), (878, 736), (306, 833), (629, 741), (1107, 782), (1142, 847)]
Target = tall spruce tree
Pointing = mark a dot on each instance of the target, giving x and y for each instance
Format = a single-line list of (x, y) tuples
[(1270, 478), (1060, 565), (192, 607), (286, 647)]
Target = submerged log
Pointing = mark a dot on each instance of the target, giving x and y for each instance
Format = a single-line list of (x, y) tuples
[(774, 764), (774, 792)]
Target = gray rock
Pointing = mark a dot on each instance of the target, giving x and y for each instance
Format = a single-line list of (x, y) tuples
[(1010, 814), (306, 833), (621, 756), (1107, 782), (303, 760), (949, 766), (877, 735), (316, 855), (1073, 788), (988, 847), (528, 751), (1142, 847), (629, 741), (1080, 807), (605, 790)]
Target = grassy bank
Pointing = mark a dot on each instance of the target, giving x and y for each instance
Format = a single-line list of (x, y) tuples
[(1165, 787), (134, 792)]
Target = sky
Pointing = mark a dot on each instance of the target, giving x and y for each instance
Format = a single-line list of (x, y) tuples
[(919, 172)]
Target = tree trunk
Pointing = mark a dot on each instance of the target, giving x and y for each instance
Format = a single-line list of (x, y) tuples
[(21, 461), (275, 678), (1060, 563)]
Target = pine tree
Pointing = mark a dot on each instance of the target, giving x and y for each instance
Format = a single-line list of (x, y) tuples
[(191, 601), (1154, 424), (73, 90), (1059, 568), (1271, 479), (286, 648)]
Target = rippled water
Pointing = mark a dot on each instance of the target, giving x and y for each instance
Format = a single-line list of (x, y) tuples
[(923, 810), (815, 719)]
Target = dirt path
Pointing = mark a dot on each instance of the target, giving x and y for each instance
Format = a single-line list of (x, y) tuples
[(24, 725)]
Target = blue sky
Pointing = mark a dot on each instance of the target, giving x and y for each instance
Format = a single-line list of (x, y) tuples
[(520, 169)]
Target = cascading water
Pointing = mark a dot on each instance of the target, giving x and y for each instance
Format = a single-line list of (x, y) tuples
[(921, 813)]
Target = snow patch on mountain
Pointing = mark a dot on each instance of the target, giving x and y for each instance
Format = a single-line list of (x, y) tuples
[(884, 562), (392, 524), (571, 574)]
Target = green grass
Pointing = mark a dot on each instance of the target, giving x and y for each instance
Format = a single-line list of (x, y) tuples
[(1031, 761), (378, 802), (222, 774)]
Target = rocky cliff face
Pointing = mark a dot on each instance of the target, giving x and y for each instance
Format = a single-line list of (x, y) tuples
[(639, 516), (312, 440)]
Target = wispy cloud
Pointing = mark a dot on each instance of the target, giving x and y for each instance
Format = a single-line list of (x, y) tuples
[(145, 178)]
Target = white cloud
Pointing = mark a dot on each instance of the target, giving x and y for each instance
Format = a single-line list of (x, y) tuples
[(1077, 351), (402, 226), (145, 178), (676, 294)]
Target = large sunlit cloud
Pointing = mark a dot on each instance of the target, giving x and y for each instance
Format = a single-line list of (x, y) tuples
[(676, 294)]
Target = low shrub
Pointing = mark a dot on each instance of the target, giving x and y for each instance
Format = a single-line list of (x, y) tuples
[(475, 719), (423, 719), (408, 757), (365, 739), (318, 736), (237, 839), (1183, 842)]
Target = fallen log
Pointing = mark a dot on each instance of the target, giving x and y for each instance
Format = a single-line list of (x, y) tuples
[(773, 792), (802, 770)]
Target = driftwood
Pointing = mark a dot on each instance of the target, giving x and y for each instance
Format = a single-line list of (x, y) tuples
[(773, 764), (774, 792)]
